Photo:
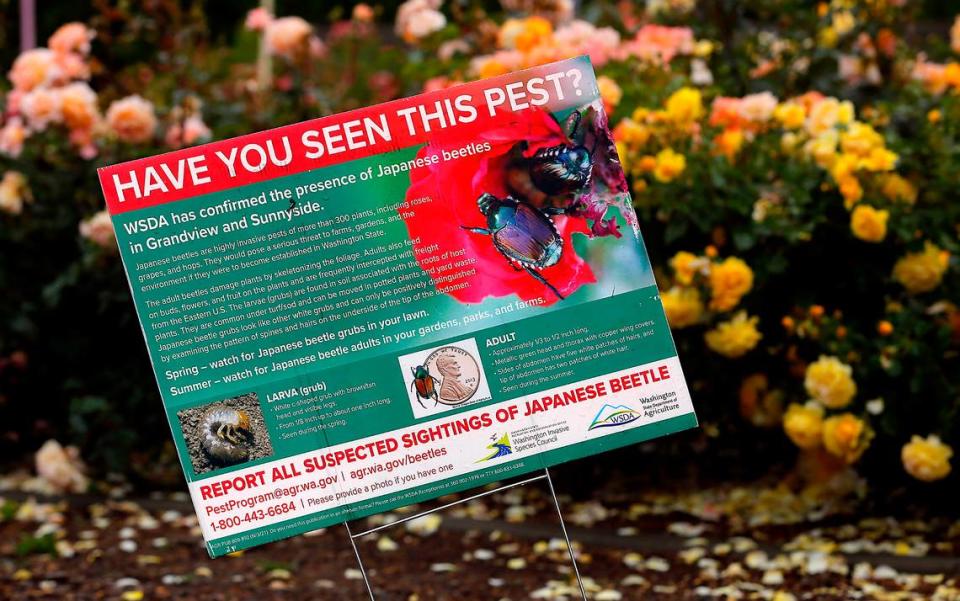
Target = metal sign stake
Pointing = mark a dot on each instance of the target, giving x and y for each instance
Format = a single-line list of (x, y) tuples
[(356, 551), (556, 503)]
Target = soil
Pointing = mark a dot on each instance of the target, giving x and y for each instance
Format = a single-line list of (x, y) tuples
[(258, 441)]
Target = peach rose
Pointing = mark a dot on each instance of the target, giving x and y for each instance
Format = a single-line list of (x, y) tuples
[(363, 13), (34, 68), (72, 66), (99, 230), (288, 36), (79, 106), (757, 108), (13, 192), (61, 467), (132, 119), (42, 107), (417, 19), (72, 37), (12, 136), (449, 49)]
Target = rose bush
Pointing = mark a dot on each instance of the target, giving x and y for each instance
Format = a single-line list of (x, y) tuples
[(793, 166)]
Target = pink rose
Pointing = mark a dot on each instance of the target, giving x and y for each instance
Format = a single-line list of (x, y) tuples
[(191, 131), (288, 37), (258, 19), (99, 230)]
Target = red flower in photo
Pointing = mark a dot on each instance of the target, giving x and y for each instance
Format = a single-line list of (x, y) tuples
[(453, 187)]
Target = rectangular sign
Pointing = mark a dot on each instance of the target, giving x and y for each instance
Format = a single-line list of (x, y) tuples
[(372, 309)]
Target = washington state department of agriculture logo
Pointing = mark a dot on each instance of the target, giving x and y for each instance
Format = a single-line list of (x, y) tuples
[(499, 447), (611, 416)]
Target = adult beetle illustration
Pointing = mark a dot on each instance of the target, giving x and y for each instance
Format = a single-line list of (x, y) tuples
[(225, 435), (550, 179), (425, 385), (524, 235)]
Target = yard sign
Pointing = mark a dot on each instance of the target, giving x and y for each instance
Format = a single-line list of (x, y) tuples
[(372, 309)]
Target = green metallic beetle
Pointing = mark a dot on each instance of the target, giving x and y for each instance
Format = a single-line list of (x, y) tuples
[(424, 384), (525, 236)]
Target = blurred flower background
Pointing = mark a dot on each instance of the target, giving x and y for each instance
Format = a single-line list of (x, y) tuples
[(794, 165)]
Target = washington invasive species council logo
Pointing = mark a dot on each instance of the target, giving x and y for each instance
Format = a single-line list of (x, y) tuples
[(611, 416), (444, 378), (499, 447)]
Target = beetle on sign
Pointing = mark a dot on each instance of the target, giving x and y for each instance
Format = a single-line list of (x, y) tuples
[(526, 237)]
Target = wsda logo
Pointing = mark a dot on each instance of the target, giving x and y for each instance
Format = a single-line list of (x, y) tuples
[(611, 416)]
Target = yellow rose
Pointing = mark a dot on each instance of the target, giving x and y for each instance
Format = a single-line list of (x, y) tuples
[(790, 114), (951, 74), (682, 306), (897, 188), (829, 381), (491, 67), (14, 192), (879, 159), (669, 165), (926, 459), (922, 271), (728, 143), (631, 132), (610, 92), (758, 404), (703, 48), (843, 22), (789, 141), (845, 112), (824, 116), (828, 37), (524, 34), (685, 105), (803, 425), (851, 190), (729, 281), (843, 167), (823, 148), (859, 139), (685, 265), (734, 338), (846, 436), (868, 223)]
